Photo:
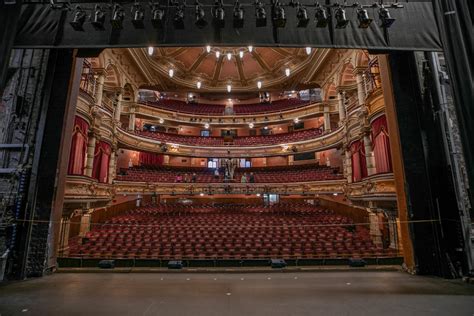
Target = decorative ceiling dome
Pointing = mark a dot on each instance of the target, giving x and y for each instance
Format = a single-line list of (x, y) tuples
[(218, 68)]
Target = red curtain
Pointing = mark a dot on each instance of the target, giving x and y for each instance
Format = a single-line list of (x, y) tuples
[(150, 159), (100, 169), (78, 151), (359, 164), (381, 145)]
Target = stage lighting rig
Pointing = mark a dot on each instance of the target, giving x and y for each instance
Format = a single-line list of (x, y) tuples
[(321, 16), (218, 14), (157, 15), (178, 20), (302, 16), (118, 14), (363, 17), (98, 19), (79, 19), (138, 16), (199, 13), (278, 15), (238, 15), (260, 14), (384, 15), (340, 15)]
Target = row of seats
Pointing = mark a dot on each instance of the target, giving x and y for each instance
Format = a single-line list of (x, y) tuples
[(283, 174), (218, 109), (173, 231), (273, 139)]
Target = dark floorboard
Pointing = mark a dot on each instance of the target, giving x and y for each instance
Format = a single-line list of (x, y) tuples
[(320, 293)]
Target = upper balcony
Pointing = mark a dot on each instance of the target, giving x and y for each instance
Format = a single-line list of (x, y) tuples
[(187, 145)]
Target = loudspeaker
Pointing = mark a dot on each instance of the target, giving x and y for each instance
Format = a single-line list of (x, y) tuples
[(106, 264), (278, 263), (357, 262), (175, 264)]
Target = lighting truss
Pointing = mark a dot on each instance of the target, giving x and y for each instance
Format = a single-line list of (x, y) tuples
[(324, 13)]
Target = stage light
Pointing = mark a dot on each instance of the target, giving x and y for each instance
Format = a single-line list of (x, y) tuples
[(99, 18), (229, 88), (171, 73), (238, 15), (117, 17), (206, 126), (198, 84), (302, 16), (363, 17), (260, 14), (278, 15), (259, 84), (341, 20), (218, 14), (150, 50), (79, 19), (178, 20), (308, 50), (241, 54), (250, 49), (321, 16), (229, 56), (200, 20), (208, 48), (218, 54), (138, 15), (385, 19), (157, 15), (287, 72)]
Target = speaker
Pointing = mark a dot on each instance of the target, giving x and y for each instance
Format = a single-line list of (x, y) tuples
[(357, 262), (106, 264), (278, 263), (175, 264)]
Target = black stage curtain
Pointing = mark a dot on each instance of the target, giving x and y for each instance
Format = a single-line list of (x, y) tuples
[(414, 29)]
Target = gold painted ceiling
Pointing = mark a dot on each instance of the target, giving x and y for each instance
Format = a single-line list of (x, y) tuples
[(220, 67)]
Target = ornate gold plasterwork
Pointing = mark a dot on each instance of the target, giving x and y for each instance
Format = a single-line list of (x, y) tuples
[(80, 188), (377, 186)]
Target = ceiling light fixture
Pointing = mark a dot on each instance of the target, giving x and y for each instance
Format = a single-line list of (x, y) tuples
[(308, 50), (259, 84), (218, 54), (208, 48), (229, 56), (171, 73), (150, 50), (229, 88), (198, 84), (287, 72), (241, 54)]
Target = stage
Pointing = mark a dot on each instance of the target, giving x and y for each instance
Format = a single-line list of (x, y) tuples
[(304, 293)]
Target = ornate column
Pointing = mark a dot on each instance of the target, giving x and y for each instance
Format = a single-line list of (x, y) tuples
[(327, 119), (360, 88), (85, 223), (118, 107), (90, 152), (341, 98), (369, 155), (375, 232), (64, 236), (112, 162), (348, 165), (131, 122), (100, 88)]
